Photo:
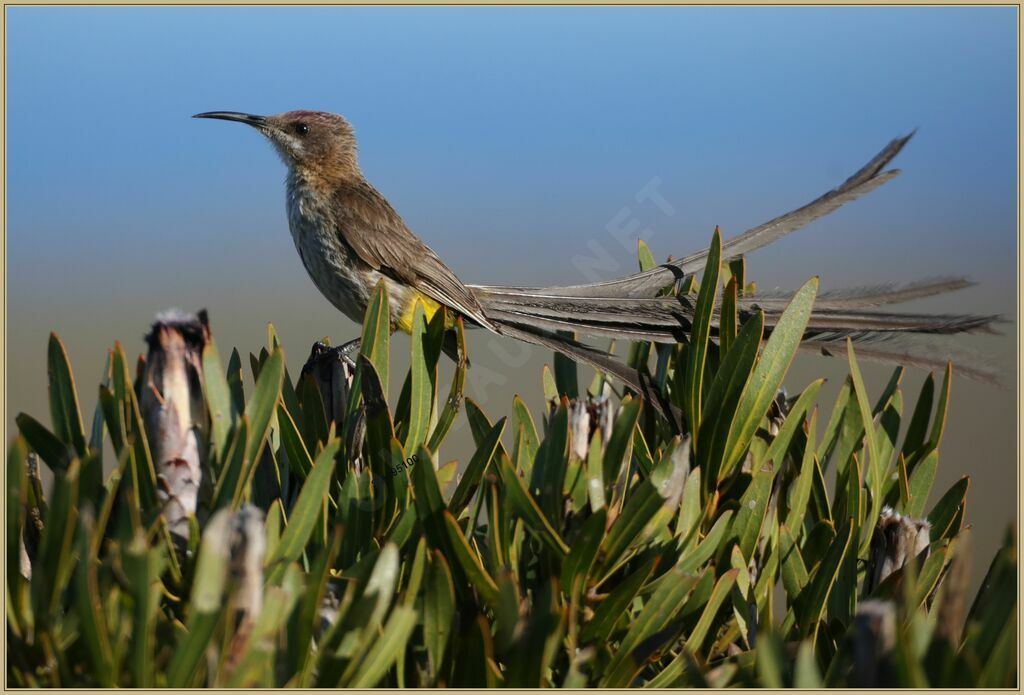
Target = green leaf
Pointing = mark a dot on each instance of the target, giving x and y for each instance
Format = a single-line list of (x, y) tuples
[(526, 445), (566, 372), (692, 561), (16, 502), (294, 447), (92, 621), (794, 571), (223, 415), (995, 609), (421, 400), (304, 514), (720, 406), (831, 436), (584, 550), (718, 595), (54, 452), (130, 419), (230, 484), (614, 607), (656, 614), (805, 672), (430, 505), (939, 422), (142, 568), (616, 453), (384, 463), (947, 515), (780, 445), (306, 619), (913, 441), (921, 482), (313, 418), (876, 466), (532, 656), (438, 611), (696, 352), (478, 464), (524, 506), (764, 383), (366, 617), (728, 319), (55, 558), (234, 377), (746, 525), (261, 408), (820, 507), (377, 333), (814, 598), (903, 481), (64, 410), (649, 508), (550, 387), (644, 255), (801, 488), (548, 475), (928, 577), (738, 270), (454, 402), (206, 603), (771, 660), (469, 561)]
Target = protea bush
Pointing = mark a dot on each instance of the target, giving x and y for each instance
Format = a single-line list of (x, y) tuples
[(304, 535)]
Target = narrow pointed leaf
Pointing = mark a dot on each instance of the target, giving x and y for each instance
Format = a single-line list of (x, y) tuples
[(64, 410), (696, 352), (768, 374)]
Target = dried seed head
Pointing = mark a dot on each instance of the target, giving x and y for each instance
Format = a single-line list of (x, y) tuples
[(328, 612), (897, 539), (579, 423), (670, 488), (778, 411), (585, 418), (174, 411), (874, 636), (240, 539), (24, 562), (332, 371), (248, 545)]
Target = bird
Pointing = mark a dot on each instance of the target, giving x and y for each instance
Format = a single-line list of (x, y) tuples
[(350, 238)]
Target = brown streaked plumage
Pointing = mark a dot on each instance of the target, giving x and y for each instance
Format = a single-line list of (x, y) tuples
[(349, 238)]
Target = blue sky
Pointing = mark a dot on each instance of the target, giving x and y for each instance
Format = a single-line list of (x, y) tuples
[(508, 130), (511, 140)]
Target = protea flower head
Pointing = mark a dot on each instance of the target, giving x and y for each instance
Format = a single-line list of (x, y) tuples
[(174, 412), (897, 540), (587, 416)]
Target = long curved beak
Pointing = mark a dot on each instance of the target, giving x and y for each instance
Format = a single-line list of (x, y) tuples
[(247, 118)]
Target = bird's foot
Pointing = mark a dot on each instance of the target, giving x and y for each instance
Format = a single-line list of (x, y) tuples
[(351, 346)]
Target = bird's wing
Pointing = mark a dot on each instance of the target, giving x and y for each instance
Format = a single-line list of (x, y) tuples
[(386, 244)]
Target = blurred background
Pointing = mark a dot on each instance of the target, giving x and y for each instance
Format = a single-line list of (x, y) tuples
[(525, 145)]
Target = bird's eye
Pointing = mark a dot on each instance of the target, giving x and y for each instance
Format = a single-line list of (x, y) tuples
[(301, 128)]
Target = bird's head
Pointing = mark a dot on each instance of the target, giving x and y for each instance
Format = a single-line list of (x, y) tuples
[(313, 141)]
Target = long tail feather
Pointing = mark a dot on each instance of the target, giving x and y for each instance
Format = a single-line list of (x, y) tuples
[(926, 357), (866, 296), (668, 320), (650, 282), (597, 359)]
